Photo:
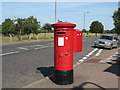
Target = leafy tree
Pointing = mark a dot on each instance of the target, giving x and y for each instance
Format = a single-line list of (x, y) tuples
[(84, 30), (113, 31), (20, 27), (107, 31), (116, 18), (31, 25), (47, 27), (96, 27), (36, 26), (0, 28), (8, 28)]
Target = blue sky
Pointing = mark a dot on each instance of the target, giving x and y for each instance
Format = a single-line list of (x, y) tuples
[(66, 11)]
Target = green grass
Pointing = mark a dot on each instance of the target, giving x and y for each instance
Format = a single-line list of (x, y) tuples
[(94, 35), (42, 37)]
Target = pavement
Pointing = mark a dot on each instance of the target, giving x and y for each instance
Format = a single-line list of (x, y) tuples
[(86, 75), (99, 72)]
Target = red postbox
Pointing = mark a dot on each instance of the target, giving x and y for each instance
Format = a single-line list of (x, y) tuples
[(63, 53), (77, 42)]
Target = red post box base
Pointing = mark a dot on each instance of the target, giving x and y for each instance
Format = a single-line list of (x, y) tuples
[(63, 77)]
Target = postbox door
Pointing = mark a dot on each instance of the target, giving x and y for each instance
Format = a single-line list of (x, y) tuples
[(63, 51)]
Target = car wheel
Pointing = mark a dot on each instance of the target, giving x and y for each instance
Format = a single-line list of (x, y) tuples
[(95, 45)]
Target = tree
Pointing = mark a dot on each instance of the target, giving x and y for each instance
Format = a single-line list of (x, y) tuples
[(96, 27), (20, 27), (31, 25), (116, 18), (107, 31), (8, 28), (84, 30), (47, 28), (113, 31), (36, 26), (0, 30)]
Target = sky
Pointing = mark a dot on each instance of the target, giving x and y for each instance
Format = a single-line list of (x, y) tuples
[(66, 11)]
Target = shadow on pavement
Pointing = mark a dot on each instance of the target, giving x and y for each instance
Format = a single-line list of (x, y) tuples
[(47, 72), (85, 83), (115, 68)]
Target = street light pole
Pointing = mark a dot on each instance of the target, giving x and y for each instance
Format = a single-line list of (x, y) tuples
[(84, 22), (55, 9), (84, 19)]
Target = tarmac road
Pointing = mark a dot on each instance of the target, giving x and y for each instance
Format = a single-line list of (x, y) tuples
[(25, 63)]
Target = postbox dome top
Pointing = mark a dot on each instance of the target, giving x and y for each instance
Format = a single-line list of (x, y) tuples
[(63, 25)]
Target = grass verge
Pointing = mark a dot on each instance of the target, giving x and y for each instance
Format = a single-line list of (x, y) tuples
[(42, 37)]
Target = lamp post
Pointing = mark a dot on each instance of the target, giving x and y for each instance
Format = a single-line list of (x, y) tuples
[(55, 9), (84, 23), (84, 19)]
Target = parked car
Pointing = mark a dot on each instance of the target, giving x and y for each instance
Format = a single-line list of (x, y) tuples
[(106, 41)]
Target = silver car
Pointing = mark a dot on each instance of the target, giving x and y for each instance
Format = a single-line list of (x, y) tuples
[(106, 41)]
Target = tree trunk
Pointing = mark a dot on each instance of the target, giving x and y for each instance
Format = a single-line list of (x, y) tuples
[(33, 36), (37, 36), (96, 34), (29, 37), (10, 37), (21, 37)]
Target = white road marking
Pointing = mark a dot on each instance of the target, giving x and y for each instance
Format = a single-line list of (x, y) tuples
[(22, 48), (78, 63), (84, 58), (52, 43), (81, 60), (33, 45), (9, 53), (41, 47), (92, 51), (52, 46), (88, 55), (99, 52)]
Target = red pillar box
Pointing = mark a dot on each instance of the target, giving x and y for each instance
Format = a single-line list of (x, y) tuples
[(77, 42), (63, 53)]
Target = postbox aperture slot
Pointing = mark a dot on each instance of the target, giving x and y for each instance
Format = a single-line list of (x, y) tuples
[(60, 32)]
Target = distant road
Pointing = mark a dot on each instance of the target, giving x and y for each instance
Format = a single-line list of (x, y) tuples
[(21, 61)]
